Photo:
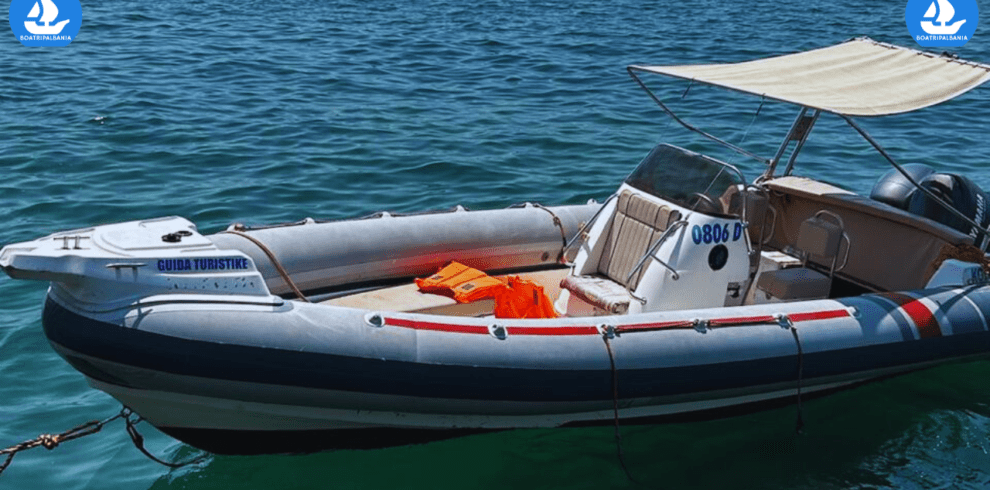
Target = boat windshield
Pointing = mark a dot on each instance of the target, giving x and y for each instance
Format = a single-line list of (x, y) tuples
[(691, 180)]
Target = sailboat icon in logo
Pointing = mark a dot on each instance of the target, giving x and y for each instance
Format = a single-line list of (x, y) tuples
[(945, 14), (50, 13)]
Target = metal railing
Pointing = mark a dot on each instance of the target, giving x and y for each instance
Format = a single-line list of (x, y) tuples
[(651, 254), (584, 229)]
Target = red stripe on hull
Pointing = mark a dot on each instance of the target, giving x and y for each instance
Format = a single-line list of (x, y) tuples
[(818, 315), (440, 327), (552, 330), (638, 327), (920, 314)]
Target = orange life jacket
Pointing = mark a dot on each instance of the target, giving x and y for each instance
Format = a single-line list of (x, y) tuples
[(462, 283), (523, 299), (519, 299)]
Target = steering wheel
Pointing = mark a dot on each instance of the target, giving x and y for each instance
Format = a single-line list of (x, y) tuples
[(705, 204)]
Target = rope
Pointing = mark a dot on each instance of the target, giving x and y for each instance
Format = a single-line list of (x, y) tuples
[(560, 224), (688, 89), (51, 441), (271, 256), (948, 207), (748, 128), (582, 231), (132, 419), (799, 425), (615, 408), (704, 324), (684, 123), (964, 252), (655, 327)]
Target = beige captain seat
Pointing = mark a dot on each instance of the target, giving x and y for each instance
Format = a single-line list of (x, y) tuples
[(819, 241), (637, 224)]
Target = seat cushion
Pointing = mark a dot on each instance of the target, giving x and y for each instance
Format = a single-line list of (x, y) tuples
[(820, 239), (794, 283), (638, 222), (601, 292)]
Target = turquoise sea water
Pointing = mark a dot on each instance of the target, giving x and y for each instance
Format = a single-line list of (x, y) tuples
[(261, 112)]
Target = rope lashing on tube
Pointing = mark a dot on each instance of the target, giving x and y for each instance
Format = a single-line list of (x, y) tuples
[(275, 262), (609, 332), (560, 225)]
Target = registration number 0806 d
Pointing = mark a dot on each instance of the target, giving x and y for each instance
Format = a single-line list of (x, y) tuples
[(716, 233)]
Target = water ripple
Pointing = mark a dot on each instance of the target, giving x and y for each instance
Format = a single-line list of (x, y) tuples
[(262, 112)]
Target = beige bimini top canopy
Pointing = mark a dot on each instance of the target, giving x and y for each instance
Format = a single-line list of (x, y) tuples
[(861, 77)]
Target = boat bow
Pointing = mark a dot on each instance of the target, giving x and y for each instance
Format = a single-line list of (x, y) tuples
[(113, 264)]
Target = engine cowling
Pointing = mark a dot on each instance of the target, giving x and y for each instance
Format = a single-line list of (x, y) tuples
[(894, 189), (963, 195)]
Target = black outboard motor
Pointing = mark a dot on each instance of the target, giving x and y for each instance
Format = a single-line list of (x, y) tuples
[(892, 188), (963, 195)]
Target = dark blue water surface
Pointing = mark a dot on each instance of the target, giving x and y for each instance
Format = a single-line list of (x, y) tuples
[(261, 112)]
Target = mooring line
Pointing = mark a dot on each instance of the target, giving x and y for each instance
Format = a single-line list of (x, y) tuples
[(138, 441), (51, 441), (615, 403), (799, 425)]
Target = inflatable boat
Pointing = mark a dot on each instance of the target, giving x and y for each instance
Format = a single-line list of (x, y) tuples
[(689, 292)]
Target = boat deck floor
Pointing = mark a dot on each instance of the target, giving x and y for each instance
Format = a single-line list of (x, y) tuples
[(408, 298)]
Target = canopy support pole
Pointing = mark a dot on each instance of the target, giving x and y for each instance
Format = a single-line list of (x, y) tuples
[(976, 226), (800, 129), (690, 127), (800, 143), (783, 145)]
